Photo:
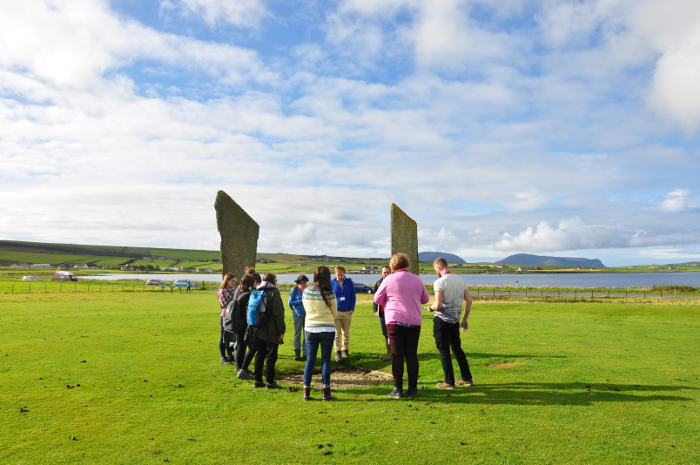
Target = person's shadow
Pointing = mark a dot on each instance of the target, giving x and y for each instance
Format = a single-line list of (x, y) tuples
[(525, 393)]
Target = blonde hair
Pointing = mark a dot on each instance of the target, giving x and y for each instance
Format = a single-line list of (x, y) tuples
[(399, 261), (340, 268), (227, 277)]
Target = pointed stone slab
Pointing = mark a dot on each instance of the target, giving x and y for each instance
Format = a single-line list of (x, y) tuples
[(404, 236), (239, 235)]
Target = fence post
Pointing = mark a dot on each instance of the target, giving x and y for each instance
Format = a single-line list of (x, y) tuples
[(13, 289), (661, 292), (75, 287)]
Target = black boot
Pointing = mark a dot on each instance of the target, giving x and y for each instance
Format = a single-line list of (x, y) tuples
[(387, 357), (296, 355)]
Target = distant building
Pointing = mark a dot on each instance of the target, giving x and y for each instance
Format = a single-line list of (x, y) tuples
[(41, 265)]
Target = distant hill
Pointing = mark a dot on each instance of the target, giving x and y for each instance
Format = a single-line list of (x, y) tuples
[(431, 256), (527, 259)]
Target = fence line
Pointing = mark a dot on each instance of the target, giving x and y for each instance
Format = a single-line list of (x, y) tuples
[(16, 288)]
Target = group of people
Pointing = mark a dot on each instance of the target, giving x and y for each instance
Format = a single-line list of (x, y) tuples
[(322, 313)]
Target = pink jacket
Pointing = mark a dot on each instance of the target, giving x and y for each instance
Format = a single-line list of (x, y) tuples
[(402, 294)]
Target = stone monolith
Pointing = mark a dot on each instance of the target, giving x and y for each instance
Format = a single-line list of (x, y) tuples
[(239, 235), (404, 236)]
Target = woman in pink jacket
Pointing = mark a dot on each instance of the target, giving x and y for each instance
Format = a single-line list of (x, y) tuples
[(402, 294)]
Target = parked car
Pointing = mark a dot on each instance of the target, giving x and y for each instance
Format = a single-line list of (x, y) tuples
[(184, 283), (64, 276), (157, 282), (31, 278), (363, 289)]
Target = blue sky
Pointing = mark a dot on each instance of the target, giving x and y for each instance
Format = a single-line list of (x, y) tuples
[(548, 127)]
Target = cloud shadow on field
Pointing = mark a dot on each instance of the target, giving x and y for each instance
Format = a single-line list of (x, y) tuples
[(540, 394)]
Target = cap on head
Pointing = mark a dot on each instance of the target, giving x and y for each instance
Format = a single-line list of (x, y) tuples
[(301, 279)]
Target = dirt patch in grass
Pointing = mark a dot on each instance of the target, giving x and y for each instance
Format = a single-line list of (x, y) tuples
[(504, 365), (342, 379)]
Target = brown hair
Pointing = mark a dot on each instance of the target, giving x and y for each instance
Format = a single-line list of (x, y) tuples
[(246, 282), (249, 270), (322, 280), (257, 277), (340, 268), (442, 263), (227, 278), (270, 278), (399, 261)]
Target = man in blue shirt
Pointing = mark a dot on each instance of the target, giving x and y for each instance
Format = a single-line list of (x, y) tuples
[(344, 290)]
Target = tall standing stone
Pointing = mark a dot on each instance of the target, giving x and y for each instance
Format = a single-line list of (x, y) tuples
[(404, 236), (239, 235)]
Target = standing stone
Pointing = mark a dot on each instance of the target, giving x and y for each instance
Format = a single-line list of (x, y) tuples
[(239, 235), (404, 236)]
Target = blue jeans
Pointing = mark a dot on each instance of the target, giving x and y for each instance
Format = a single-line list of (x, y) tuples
[(312, 342)]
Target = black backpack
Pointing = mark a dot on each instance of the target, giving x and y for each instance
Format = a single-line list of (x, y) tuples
[(235, 318)]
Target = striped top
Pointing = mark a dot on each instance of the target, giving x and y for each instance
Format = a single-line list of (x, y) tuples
[(319, 318)]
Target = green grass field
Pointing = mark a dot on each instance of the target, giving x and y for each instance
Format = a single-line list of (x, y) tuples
[(125, 377)]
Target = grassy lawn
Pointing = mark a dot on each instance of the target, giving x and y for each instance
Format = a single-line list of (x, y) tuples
[(131, 378)]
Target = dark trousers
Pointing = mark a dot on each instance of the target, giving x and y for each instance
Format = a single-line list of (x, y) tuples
[(240, 353), (404, 345), (224, 346), (266, 354), (446, 337)]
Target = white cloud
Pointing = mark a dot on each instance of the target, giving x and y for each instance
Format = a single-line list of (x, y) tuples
[(676, 201), (528, 200), (303, 234), (570, 234), (242, 13)]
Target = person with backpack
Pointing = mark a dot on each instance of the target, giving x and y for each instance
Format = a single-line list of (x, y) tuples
[(266, 328), (297, 306), (240, 324), (321, 310), (243, 371), (225, 294)]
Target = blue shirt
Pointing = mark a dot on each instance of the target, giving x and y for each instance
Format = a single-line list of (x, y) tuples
[(345, 294), (295, 302)]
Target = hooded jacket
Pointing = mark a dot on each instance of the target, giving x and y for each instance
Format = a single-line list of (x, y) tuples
[(273, 326)]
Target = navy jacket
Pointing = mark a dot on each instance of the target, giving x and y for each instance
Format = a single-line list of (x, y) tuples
[(347, 291)]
